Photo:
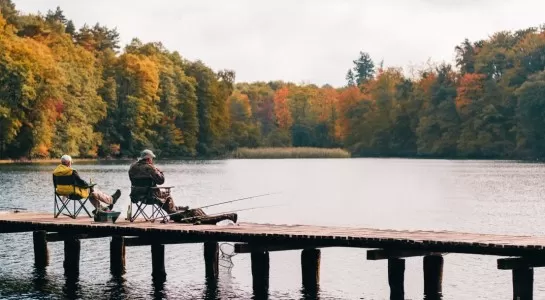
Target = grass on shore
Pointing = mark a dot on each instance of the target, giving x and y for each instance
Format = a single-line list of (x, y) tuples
[(244, 153), (290, 152)]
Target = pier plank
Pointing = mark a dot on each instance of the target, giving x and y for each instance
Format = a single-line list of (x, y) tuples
[(277, 234)]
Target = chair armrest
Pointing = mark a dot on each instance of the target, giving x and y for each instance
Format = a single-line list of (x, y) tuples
[(161, 187), (89, 186)]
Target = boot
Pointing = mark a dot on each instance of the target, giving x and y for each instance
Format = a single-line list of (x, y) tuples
[(178, 217), (191, 215), (212, 220), (115, 196)]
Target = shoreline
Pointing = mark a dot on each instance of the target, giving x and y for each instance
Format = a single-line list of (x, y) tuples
[(98, 160)]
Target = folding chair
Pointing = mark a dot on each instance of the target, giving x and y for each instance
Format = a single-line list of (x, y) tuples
[(152, 200), (62, 201)]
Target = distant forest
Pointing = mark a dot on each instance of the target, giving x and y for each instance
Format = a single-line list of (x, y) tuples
[(68, 90)]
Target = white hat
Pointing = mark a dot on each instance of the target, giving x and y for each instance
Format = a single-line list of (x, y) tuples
[(146, 154), (65, 159)]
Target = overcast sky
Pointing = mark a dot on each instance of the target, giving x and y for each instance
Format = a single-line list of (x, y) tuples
[(302, 40)]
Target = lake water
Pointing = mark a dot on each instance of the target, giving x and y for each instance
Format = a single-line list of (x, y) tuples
[(473, 196)]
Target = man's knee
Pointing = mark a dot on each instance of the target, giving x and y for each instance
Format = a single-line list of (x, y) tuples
[(102, 197)]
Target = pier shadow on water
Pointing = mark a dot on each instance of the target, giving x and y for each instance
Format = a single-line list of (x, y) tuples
[(72, 287), (41, 285), (211, 290), (116, 288), (433, 297), (310, 293), (40, 280)]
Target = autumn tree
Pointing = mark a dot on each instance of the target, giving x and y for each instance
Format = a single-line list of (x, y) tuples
[(438, 129), (364, 68), (281, 109), (244, 131), (76, 91), (531, 107)]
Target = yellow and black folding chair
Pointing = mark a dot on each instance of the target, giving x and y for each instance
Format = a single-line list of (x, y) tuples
[(70, 201)]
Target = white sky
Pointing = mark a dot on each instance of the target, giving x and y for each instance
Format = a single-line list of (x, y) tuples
[(310, 41)]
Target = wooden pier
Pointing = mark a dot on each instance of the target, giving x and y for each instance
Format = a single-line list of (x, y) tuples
[(519, 253)]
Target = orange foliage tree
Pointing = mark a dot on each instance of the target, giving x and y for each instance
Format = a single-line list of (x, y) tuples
[(281, 108), (469, 90)]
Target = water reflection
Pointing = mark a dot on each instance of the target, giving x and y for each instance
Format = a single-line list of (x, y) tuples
[(117, 288), (211, 290), (72, 287), (261, 291), (433, 297), (40, 280), (158, 284), (310, 293)]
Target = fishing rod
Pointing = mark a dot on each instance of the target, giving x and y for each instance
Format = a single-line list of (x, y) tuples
[(210, 205), (219, 214), (9, 207), (236, 200)]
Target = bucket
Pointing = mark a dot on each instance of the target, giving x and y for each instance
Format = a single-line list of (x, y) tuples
[(106, 216)]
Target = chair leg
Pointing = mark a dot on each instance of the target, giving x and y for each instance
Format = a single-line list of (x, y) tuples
[(71, 211), (155, 211), (63, 206), (144, 213), (82, 207), (139, 211), (161, 211), (158, 211)]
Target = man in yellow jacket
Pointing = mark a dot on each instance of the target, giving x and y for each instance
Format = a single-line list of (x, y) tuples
[(70, 183)]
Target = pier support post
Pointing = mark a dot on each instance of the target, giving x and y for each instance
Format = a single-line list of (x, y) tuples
[(117, 256), (523, 283), (158, 262), (310, 267), (72, 247), (211, 256), (396, 278), (260, 273), (41, 252), (433, 276)]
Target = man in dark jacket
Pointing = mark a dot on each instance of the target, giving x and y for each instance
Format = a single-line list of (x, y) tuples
[(144, 174)]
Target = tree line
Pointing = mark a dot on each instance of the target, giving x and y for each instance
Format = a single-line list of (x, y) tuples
[(68, 90)]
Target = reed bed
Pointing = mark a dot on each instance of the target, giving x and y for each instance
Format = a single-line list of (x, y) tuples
[(290, 152)]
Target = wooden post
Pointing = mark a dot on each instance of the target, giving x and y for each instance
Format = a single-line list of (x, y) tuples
[(211, 256), (260, 273), (158, 262), (211, 289), (433, 276), (396, 278), (117, 255), (72, 247), (523, 283), (310, 267), (41, 252)]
